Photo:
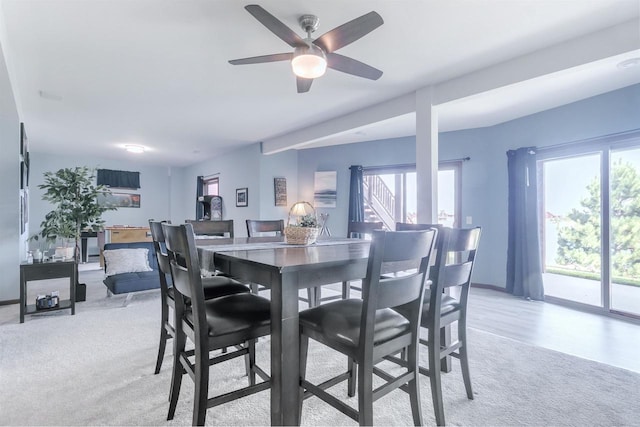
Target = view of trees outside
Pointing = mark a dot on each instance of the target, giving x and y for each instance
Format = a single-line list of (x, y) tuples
[(577, 243)]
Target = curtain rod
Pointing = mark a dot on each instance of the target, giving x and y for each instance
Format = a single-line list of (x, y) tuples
[(611, 138), (211, 176), (411, 165)]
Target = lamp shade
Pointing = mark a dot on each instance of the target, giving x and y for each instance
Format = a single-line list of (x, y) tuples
[(309, 62), (299, 209)]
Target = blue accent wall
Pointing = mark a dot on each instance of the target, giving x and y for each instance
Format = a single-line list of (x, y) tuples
[(484, 177)]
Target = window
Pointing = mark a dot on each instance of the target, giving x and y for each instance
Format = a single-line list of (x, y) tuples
[(390, 194), (211, 187)]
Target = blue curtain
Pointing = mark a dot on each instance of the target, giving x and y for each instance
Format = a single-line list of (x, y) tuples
[(524, 266), (199, 193), (356, 195)]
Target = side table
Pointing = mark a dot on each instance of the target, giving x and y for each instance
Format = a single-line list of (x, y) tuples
[(42, 271)]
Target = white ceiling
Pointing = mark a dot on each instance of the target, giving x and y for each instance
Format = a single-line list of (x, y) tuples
[(90, 76)]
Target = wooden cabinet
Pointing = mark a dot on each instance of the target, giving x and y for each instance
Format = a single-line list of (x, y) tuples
[(130, 234)]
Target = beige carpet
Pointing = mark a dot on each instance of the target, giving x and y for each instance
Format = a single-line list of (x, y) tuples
[(96, 368)]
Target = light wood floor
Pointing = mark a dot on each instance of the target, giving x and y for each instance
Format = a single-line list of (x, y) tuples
[(587, 335)]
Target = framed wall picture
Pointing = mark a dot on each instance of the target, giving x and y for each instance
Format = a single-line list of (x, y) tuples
[(325, 189), (120, 200), (280, 191), (242, 197)]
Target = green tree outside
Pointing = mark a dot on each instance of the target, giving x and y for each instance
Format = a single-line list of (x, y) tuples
[(579, 235)]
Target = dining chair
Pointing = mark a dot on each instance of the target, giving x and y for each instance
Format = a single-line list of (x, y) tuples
[(213, 287), (454, 260), (355, 229), (258, 227), (368, 329), (235, 321), (222, 228)]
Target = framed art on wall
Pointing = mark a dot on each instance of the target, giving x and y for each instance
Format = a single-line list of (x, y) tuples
[(325, 189), (280, 191), (242, 197), (120, 200)]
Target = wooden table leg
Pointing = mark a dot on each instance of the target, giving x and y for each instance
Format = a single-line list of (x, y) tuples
[(285, 356)]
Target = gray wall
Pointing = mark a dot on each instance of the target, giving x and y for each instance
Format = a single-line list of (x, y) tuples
[(154, 194), (484, 177), (245, 167), (12, 246), (338, 158)]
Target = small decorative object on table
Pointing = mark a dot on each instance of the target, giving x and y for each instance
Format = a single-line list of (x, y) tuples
[(44, 302), (306, 230)]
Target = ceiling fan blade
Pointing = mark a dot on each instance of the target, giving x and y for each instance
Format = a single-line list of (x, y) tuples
[(264, 58), (349, 32), (274, 25), (303, 84), (351, 66)]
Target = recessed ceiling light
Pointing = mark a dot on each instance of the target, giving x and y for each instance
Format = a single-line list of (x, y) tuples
[(629, 63), (134, 148)]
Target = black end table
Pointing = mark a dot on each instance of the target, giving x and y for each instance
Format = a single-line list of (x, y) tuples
[(43, 271)]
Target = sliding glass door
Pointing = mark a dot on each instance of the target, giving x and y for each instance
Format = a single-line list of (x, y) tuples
[(572, 234), (625, 230), (589, 205)]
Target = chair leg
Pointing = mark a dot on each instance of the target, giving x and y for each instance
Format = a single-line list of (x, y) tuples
[(346, 290), (164, 336), (464, 357), (311, 297), (177, 373), (251, 359), (254, 288), (201, 392), (414, 385), (435, 376), (365, 393), (351, 381), (304, 347)]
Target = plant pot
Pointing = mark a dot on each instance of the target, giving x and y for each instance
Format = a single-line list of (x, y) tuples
[(65, 253), (81, 292)]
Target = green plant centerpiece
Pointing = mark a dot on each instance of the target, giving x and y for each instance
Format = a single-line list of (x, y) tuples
[(308, 221), (75, 196)]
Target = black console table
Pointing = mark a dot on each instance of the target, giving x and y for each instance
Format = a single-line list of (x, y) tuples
[(42, 271)]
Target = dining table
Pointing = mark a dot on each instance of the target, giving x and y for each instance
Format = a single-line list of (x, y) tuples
[(285, 269)]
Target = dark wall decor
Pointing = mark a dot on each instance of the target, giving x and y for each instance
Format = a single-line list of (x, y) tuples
[(119, 200), (280, 191), (23, 141), (118, 179), (242, 197)]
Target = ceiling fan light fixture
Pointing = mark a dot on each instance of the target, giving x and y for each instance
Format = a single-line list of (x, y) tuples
[(309, 62)]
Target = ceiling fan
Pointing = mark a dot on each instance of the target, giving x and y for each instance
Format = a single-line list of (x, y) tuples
[(310, 57)]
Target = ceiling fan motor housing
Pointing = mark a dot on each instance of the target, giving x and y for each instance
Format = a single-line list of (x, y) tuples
[(309, 23)]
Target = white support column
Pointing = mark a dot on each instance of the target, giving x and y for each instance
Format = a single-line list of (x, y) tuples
[(426, 157)]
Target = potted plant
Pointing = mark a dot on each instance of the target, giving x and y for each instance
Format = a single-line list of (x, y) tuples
[(75, 196)]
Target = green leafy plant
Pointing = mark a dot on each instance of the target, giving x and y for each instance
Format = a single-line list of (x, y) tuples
[(308, 221), (75, 196)]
